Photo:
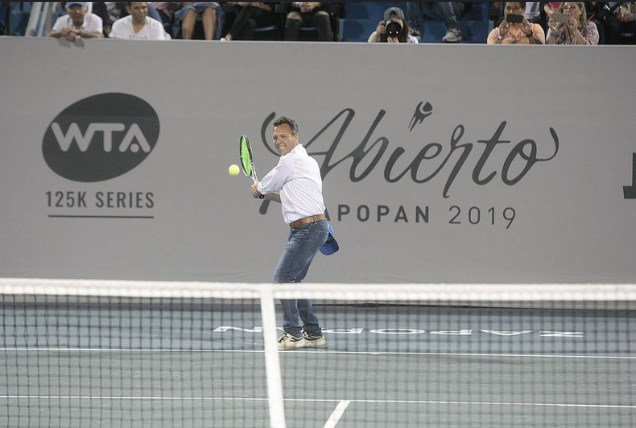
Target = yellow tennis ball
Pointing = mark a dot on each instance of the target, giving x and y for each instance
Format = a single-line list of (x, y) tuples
[(234, 170)]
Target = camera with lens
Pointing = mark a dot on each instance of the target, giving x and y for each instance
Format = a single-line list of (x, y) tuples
[(392, 29)]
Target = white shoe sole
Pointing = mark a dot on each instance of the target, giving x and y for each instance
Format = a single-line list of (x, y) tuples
[(287, 345), (315, 343)]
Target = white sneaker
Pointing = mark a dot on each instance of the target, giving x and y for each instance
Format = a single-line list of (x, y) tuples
[(287, 341), (453, 35), (314, 341)]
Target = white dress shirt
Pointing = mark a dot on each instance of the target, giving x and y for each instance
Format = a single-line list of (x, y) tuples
[(297, 178)]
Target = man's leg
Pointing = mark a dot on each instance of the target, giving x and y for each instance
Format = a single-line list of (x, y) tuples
[(291, 325), (292, 267), (448, 12), (187, 24), (209, 23), (310, 321), (292, 26), (322, 22)]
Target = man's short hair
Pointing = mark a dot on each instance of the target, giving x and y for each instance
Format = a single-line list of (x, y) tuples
[(293, 126)]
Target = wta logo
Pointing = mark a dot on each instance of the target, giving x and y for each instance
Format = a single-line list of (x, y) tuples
[(101, 137)]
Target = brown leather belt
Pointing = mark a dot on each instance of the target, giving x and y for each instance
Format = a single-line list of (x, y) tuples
[(312, 219)]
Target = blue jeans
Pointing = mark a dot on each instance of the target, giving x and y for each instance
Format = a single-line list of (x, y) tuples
[(446, 11), (302, 246)]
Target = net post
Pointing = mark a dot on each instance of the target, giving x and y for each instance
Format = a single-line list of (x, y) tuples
[(272, 363)]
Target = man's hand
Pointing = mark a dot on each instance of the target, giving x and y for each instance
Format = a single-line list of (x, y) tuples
[(70, 34), (255, 193)]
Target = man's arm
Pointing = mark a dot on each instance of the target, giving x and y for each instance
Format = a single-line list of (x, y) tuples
[(90, 34), (275, 197)]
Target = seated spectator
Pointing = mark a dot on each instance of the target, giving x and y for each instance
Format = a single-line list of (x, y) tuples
[(211, 15), (569, 26), (137, 25), (308, 13), (112, 11), (251, 15), (447, 11), (78, 23), (393, 29), (620, 25), (515, 28), (596, 15), (166, 11)]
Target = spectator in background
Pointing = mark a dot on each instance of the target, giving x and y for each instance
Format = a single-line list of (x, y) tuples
[(308, 13), (211, 15), (112, 11), (446, 11), (137, 25), (166, 11), (393, 29), (78, 23), (620, 24), (569, 26), (533, 12), (251, 15), (99, 8), (550, 7), (596, 15), (515, 28)]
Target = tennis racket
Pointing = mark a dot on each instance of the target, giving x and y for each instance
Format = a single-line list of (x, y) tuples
[(247, 163)]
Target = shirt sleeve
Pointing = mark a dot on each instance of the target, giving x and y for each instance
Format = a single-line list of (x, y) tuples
[(116, 30), (277, 177), (158, 32), (93, 23), (59, 23), (492, 36)]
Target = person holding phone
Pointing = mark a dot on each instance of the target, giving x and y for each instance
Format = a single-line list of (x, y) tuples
[(569, 26), (514, 28)]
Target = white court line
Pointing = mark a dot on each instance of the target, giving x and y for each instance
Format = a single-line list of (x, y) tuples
[(337, 414), (322, 351), (318, 400)]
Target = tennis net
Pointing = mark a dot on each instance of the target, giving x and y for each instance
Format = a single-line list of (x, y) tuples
[(80, 353)]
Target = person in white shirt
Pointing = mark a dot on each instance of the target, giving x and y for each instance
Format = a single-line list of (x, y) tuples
[(137, 25), (78, 23), (297, 185)]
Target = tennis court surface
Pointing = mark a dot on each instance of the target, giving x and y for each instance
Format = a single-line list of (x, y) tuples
[(160, 354)]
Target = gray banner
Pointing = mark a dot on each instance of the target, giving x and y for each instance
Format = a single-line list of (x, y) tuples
[(440, 163)]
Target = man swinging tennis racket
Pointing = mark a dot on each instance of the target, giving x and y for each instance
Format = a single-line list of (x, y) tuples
[(296, 184)]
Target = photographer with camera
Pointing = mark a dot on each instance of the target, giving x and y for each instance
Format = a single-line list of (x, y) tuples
[(393, 29), (514, 28)]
